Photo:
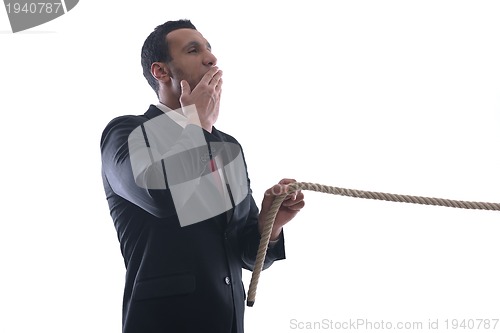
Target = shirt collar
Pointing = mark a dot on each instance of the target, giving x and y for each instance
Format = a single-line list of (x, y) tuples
[(174, 115)]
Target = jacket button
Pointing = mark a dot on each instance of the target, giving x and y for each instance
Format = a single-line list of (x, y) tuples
[(227, 280)]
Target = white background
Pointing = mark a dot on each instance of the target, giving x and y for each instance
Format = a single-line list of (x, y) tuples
[(390, 96)]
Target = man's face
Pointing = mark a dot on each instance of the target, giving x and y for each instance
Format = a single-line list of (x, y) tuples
[(191, 56)]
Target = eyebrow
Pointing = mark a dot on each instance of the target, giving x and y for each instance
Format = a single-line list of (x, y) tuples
[(196, 44)]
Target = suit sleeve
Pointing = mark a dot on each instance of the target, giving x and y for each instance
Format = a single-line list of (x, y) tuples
[(135, 166)]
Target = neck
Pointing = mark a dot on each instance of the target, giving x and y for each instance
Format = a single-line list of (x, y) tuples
[(170, 100)]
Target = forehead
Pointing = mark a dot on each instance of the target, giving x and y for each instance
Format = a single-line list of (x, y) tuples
[(180, 38)]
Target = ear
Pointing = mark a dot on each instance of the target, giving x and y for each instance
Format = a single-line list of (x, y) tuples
[(160, 71)]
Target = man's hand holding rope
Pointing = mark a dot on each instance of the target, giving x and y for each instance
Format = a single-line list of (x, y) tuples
[(292, 204)]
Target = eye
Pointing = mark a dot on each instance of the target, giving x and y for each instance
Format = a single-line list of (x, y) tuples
[(193, 51)]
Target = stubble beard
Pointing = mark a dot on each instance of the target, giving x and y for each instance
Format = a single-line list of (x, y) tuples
[(179, 75)]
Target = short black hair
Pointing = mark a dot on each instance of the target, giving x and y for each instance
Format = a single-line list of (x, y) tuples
[(155, 48)]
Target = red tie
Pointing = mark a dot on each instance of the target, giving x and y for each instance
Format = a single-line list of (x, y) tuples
[(216, 175)]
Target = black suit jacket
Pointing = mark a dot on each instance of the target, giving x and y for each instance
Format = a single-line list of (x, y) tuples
[(178, 279)]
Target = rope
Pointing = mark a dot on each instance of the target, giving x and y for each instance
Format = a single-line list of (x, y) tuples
[(273, 211)]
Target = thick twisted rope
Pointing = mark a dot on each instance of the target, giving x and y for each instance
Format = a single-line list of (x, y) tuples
[(269, 221)]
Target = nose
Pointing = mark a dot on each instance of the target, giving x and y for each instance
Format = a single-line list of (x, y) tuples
[(210, 59)]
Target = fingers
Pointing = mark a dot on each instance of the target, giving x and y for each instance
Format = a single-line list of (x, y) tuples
[(295, 207), (211, 77), (287, 181), (292, 203), (295, 203), (283, 187), (218, 87), (216, 79)]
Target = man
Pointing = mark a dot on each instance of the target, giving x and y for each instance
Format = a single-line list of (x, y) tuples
[(180, 197)]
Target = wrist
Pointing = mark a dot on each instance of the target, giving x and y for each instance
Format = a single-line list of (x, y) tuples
[(193, 117), (191, 114)]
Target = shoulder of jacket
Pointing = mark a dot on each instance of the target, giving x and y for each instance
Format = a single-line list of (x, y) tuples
[(228, 138), (126, 120), (122, 126)]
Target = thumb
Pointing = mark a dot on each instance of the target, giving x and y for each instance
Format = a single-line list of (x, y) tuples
[(185, 88)]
